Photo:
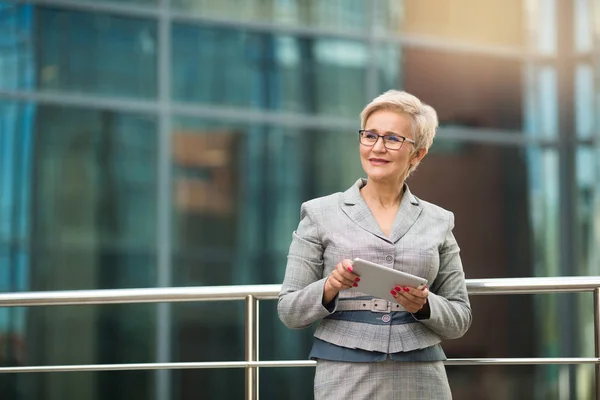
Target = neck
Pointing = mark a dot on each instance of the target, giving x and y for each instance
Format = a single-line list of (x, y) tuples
[(385, 195)]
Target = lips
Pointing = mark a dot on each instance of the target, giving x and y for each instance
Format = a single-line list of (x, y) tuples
[(378, 161)]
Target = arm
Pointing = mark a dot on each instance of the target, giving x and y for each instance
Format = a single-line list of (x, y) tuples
[(303, 290), (448, 311)]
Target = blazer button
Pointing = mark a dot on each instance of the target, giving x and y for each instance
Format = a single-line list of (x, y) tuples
[(389, 258), (386, 318)]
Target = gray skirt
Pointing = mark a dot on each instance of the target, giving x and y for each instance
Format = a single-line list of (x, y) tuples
[(385, 380)]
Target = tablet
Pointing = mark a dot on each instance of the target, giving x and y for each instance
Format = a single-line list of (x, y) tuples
[(377, 280)]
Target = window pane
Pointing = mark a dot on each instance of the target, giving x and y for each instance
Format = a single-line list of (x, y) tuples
[(467, 90), (340, 76), (485, 24), (78, 211), (103, 334), (532, 382), (389, 64), (390, 16), (53, 49), (95, 201), (219, 238), (587, 225), (208, 331), (341, 15), (149, 2), (248, 69)]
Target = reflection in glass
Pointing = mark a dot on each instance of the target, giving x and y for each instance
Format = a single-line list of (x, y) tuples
[(78, 212), (389, 16), (541, 102), (339, 15), (544, 220), (235, 202), (16, 161), (584, 99), (588, 251), (103, 334), (17, 53), (340, 75), (389, 63), (79, 52), (96, 198), (498, 382), (208, 331), (241, 68), (477, 91), (143, 2)]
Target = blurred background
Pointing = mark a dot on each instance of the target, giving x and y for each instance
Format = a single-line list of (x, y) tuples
[(152, 143)]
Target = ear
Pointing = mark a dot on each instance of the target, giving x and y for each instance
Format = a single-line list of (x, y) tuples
[(418, 156)]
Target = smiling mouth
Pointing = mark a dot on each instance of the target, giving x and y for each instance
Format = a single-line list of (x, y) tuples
[(378, 160)]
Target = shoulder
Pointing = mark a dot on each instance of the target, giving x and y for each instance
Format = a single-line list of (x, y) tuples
[(436, 212), (320, 205)]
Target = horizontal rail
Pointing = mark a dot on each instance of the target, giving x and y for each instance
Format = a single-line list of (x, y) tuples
[(270, 292), (253, 293), (149, 295), (560, 284), (276, 364)]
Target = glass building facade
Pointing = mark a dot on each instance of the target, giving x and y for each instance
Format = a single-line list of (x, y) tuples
[(154, 143)]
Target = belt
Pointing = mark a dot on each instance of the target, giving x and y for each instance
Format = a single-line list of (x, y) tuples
[(374, 305)]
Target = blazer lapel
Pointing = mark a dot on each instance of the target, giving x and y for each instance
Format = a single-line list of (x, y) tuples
[(357, 210), (408, 212)]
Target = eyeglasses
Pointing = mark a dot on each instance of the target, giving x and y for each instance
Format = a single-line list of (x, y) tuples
[(391, 142)]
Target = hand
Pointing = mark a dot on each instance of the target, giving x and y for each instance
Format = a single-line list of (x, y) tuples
[(412, 299), (341, 278)]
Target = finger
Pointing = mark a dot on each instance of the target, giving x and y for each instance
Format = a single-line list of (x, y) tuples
[(418, 292), (424, 293), (409, 301), (344, 268), (348, 268), (412, 298), (336, 282), (342, 278), (406, 304)]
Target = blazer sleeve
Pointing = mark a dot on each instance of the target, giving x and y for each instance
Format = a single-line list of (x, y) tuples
[(301, 296), (449, 308)]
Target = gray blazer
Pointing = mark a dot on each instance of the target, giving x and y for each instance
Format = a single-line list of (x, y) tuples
[(421, 242)]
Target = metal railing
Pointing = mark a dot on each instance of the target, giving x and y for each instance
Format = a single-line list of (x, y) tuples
[(252, 294)]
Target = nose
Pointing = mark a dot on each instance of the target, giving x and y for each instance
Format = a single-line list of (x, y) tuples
[(379, 146)]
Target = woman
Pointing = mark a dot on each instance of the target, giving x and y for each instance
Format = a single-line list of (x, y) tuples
[(368, 348)]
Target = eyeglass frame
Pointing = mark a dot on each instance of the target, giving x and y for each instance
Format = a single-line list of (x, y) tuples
[(404, 139)]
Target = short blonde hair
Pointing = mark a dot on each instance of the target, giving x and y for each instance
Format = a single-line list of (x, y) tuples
[(424, 117)]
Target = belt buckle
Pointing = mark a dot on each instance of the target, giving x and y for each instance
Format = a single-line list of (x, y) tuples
[(380, 305)]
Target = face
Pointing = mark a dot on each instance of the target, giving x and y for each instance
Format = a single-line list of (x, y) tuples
[(378, 162)]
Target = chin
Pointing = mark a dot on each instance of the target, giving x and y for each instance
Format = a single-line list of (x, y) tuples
[(379, 177)]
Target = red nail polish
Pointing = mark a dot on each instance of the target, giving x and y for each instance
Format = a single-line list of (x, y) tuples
[(350, 268), (397, 288), (355, 284), (406, 289), (357, 279), (393, 293)]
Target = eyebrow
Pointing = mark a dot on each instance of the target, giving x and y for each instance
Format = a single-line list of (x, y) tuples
[(385, 133)]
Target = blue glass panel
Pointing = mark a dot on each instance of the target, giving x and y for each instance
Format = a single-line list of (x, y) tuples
[(332, 15), (78, 52), (240, 68)]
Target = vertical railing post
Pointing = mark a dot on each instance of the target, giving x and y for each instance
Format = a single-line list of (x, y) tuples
[(597, 339), (251, 347)]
